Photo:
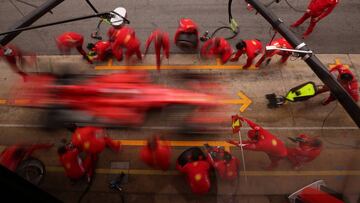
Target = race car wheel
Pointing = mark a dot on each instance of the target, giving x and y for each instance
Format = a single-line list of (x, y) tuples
[(32, 170)]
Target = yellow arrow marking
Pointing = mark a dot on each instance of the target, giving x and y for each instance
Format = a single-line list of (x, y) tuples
[(244, 100), (338, 62)]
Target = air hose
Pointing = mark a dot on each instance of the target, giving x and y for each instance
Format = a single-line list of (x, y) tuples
[(233, 27), (293, 8)]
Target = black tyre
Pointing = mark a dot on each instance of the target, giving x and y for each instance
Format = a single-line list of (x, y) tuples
[(187, 41), (190, 155), (32, 170)]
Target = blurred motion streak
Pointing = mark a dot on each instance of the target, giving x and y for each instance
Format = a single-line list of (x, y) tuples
[(119, 99)]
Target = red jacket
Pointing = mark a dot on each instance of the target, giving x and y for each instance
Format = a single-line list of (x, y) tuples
[(306, 151), (92, 140), (126, 37), (102, 49), (252, 49), (113, 33), (72, 164), (197, 174), (279, 43), (217, 47), (266, 142), (351, 87), (69, 40), (322, 7), (161, 41), (227, 170), (158, 157)]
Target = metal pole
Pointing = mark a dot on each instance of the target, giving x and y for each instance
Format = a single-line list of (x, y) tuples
[(242, 156), (29, 19), (55, 23), (314, 63)]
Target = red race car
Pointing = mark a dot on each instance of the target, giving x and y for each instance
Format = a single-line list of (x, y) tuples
[(115, 100)]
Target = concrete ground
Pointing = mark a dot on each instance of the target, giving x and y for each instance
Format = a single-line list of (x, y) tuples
[(336, 37), (337, 33), (338, 164)]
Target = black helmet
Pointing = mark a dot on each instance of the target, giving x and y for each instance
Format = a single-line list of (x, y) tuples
[(61, 150), (227, 157), (90, 46), (241, 44), (346, 77)]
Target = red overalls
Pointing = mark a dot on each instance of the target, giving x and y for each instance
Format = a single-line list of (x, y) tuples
[(217, 47), (303, 153), (125, 38), (280, 43), (227, 170), (317, 10), (161, 40), (266, 142), (92, 140), (352, 87), (197, 174), (157, 157), (69, 40), (252, 49), (73, 165), (102, 49)]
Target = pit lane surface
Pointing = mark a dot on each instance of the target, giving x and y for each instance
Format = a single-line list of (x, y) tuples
[(337, 165), (337, 33)]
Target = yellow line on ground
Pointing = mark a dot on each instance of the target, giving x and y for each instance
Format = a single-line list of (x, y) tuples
[(3, 101), (174, 67), (110, 62), (196, 143), (58, 169)]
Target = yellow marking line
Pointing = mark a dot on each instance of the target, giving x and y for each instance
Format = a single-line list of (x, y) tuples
[(180, 143), (338, 62), (218, 65), (110, 62), (175, 67), (58, 169), (15, 102)]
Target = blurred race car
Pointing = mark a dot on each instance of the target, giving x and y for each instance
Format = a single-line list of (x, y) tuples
[(117, 100)]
